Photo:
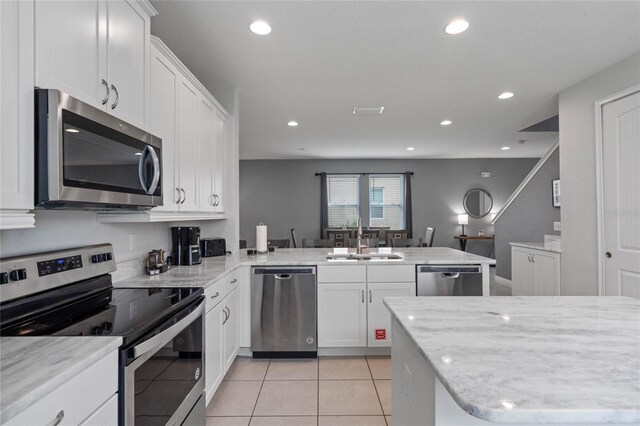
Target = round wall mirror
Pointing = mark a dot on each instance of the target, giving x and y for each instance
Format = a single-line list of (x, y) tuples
[(477, 203)]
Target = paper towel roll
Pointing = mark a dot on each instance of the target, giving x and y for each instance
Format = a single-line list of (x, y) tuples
[(261, 238)]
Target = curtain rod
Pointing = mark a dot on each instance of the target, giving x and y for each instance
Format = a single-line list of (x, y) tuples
[(367, 173)]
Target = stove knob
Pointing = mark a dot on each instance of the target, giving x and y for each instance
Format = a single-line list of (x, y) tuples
[(18, 274), (4, 278), (109, 256), (94, 259)]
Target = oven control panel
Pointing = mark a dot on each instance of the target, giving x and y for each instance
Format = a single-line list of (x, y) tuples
[(53, 266)]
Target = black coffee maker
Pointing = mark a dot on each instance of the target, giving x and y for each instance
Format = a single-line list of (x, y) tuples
[(186, 245)]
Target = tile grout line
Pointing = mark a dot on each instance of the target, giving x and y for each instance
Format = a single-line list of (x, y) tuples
[(376, 388), (259, 392)]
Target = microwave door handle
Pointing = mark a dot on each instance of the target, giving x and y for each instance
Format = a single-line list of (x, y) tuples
[(156, 170), (170, 333)]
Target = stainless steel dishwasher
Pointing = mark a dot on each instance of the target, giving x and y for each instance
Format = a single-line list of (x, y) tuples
[(283, 312), (449, 280)]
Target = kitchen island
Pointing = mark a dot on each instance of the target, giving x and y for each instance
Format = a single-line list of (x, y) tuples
[(515, 360)]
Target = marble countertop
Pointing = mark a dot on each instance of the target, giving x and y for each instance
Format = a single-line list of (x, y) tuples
[(32, 367), (553, 247), (213, 268), (556, 359)]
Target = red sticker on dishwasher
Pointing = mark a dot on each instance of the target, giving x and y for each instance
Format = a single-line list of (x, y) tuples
[(381, 334)]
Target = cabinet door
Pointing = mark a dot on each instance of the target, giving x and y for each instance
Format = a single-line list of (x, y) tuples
[(521, 272), (70, 48), (219, 159), (107, 415), (213, 367), (244, 307), (162, 122), (16, 106), (342, 315), (128, 44), (546, 267), (231, 329), (378, 316), (205, 172), (187, 144)]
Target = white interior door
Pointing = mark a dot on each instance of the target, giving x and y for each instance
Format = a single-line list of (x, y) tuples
[(621, 195)]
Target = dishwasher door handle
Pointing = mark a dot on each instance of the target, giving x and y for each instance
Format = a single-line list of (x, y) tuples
[(453, 275), (282, 276)]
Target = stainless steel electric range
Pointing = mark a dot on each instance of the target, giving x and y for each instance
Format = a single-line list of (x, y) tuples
[(70, 293)]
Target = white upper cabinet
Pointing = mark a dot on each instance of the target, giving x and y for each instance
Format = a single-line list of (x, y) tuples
[(97, 51), (16, 114), (221, 151), (188, 144), (206, 190)]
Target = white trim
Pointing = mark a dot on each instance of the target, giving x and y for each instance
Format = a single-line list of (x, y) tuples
[(600, 177), (527, 179), (157, 42), (148, 7), (16, 219), (156, 216)]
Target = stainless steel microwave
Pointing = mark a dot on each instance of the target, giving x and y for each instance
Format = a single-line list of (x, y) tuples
[(88, 159)]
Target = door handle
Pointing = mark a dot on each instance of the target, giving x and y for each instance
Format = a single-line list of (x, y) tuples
[(179, 195), (282, 276), (184, 195), (58, 418), (608, 255), (370, 296), (217, 200), (452, 275), (115, 104), (106, 97), (362, 296), (156, 169), (233, 281), (215, 295)]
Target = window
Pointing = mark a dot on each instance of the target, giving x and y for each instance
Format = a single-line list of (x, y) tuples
[(343, 200), (386, 201), (378, 201)]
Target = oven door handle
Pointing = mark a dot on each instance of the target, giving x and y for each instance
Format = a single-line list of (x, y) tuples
[(170, 333), (148, 150)]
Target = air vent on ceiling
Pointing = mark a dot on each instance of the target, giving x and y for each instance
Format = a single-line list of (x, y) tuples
[(368, 110)]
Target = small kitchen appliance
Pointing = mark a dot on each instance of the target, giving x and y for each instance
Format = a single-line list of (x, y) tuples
[(186, 245), (213, 247)]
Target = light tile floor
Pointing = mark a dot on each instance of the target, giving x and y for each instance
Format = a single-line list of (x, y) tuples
[(329, 391)]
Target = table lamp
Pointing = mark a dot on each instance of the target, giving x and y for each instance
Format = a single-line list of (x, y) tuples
[(463, 219)]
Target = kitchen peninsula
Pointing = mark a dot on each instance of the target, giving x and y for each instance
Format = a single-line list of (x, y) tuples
[(516, 360)]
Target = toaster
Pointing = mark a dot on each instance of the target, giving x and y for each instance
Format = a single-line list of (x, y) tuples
[(213, 247)]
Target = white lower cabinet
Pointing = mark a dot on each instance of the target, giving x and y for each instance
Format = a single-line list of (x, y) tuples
[(351, 313), (221, 335), (534, 272), (244, 306), (85, 396), (378, 316), (342, 315)]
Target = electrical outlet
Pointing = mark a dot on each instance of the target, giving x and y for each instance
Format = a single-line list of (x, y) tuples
[(132, 242), (556, 226)]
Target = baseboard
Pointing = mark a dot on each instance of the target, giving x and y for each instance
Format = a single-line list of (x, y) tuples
[(503, 281), (246, 352)]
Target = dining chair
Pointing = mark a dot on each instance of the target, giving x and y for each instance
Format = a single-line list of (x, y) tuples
[(406, 242), (371, 242), (279, 243), (370, 233), (323, 243), (395, 233), (428, 237), (243, 244)]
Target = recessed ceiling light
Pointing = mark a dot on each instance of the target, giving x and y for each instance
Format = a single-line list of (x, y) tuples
[(411, 148), (445, 122), (302, 149), (292, 123), (368, 110), (70, 130), (456, 26), (505, 148), (260, 27), (505, 95)]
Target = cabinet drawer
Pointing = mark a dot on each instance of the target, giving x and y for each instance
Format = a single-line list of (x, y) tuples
[(76, 398), (231, 281), (107, 415), (215, 293), (391, 273), (342, 274)]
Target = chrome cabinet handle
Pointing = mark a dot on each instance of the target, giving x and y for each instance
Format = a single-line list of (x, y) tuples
[(115, 104), (215, 295), (217, 200), (227, 315), (106, 97), (179, 195), (370, 296), (59, 418), (184, 195), (362, 296), (233, 281), (211, 200)]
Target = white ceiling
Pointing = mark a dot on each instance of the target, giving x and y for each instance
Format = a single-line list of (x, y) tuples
[(325, 57)]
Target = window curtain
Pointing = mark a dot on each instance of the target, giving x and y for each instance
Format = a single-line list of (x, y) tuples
[(324, 204), (408, 213)]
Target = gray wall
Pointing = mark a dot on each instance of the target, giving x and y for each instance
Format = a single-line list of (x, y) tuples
[(529, 217), (285, 194), (578, 172)]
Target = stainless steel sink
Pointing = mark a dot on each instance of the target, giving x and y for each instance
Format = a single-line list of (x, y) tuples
[(364, 256)]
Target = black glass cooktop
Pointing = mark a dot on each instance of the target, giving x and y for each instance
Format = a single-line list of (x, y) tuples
[(93, 307)]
